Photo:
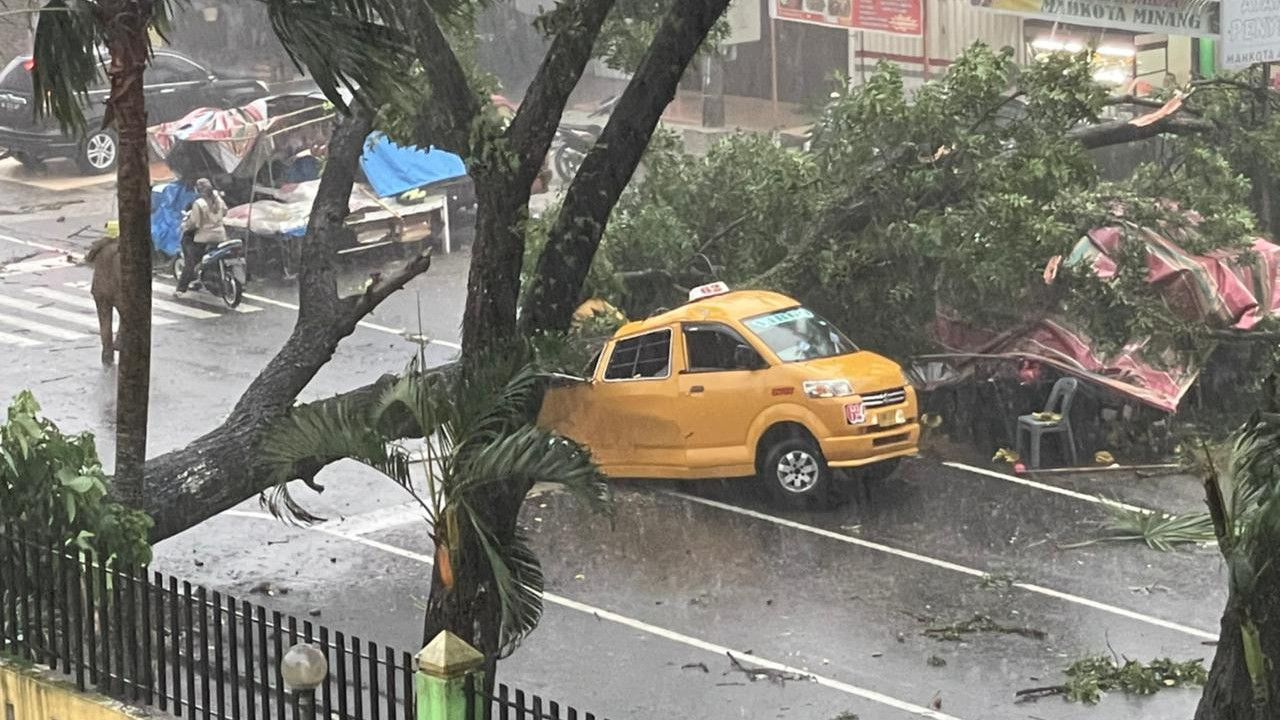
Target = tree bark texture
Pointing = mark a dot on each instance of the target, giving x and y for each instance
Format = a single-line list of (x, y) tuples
[(608, 167), (502, 193), (1228, 695), (129, 47)]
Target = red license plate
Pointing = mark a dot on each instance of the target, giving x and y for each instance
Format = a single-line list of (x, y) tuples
[(855, 413)]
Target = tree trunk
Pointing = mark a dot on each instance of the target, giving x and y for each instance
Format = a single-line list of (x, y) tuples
[(493, 283), (607, 168), (1228, 695), (127, 30)]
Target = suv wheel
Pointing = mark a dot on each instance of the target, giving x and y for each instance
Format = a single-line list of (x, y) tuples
[(795, 474), (98, 152)]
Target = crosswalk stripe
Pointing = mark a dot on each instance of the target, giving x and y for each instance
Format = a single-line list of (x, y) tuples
[(35, 265), (64, 315), (204, 298), (7, 339), (87, 302), (39, 327)]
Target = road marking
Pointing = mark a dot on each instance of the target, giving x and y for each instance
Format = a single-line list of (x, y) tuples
[(602, 614), (169, 307), (64, 315), (8, 339), (37, 265), (81, 301), (361, 323), (41, 328), (36, 245), (973, 572), (203, 298), (1096, 499)]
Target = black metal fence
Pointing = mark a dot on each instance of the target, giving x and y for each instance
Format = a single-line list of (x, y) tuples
[(150, 639)]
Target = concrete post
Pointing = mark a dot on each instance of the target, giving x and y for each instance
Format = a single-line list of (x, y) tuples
[(444, 667)]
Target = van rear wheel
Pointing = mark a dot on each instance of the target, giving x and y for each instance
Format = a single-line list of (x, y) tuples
[(795, 474)]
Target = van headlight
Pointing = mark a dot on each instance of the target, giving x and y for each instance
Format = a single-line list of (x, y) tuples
[(827, 388)]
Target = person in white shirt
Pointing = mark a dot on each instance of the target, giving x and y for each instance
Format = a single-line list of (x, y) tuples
[(201, 228)]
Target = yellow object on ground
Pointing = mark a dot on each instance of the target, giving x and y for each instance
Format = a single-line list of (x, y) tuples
[(33, 697), (113, 228), (711, 388)]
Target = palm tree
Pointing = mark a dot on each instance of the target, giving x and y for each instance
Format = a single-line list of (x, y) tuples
[(478, 447), (340, 43), (1244, 503)]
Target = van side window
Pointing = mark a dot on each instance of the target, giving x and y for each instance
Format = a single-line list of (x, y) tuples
[(713, 347), (640, 357)]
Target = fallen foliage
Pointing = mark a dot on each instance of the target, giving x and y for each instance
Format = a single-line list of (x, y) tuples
[(1092, 677)]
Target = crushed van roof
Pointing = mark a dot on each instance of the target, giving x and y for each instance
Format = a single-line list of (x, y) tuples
[(732, 306)]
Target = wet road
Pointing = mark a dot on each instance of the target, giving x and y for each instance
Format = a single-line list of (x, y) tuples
[(641, 613)]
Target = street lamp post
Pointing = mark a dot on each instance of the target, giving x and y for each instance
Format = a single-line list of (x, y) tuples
[(303, 669)]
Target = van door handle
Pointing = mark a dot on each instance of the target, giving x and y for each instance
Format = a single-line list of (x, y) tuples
[(695, 389)]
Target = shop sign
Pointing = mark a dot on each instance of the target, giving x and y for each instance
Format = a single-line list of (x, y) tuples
[(1250, 33), (1163, 17), (895, 17)]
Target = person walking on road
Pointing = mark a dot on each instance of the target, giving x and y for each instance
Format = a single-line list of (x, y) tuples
[(201, 228)]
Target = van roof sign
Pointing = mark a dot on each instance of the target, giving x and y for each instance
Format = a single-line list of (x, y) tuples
[(709, 290)]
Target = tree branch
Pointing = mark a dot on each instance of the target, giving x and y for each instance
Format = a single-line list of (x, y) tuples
[(535, 123), (1119, 132), (608, 167), (455, 105), (381, 289)]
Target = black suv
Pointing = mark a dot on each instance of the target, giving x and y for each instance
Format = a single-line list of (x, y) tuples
[(175, 85)]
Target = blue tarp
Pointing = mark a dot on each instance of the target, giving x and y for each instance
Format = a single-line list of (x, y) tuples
[(392, 169), (167, 205)]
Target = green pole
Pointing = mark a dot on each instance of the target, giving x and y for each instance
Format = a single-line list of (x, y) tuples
[(444, 667)]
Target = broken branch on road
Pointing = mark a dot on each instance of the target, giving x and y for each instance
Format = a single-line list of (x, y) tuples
[(753, 674), (980, 623)]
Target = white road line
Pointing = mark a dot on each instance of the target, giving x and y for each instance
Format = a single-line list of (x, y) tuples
[(362, 323), (7, 339), (39, 327), (87, 302), (925, 559), (33, 244), (203, 298), (36, 265), (602, 614), (64, 315), (1050, 488)]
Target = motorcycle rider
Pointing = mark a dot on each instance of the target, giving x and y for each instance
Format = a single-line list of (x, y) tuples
[(201, 228)]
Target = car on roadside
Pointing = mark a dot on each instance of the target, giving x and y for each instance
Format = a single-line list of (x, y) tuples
[(737, 384), (175, 85)]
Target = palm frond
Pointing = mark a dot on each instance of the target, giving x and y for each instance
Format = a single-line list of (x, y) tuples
[(310, 437), (530, 455), (66, 60), (519, 582)]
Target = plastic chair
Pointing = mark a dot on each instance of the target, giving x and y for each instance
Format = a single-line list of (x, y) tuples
[(1060, 404)]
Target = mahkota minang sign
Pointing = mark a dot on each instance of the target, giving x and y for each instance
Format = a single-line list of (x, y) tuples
[(1164, 17)]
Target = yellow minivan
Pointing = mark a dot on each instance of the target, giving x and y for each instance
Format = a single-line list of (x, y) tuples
[(736, 384)]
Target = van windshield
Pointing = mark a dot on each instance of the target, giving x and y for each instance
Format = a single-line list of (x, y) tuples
[(799, 334)]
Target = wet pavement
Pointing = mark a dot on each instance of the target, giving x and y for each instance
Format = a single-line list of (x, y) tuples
[(642, 612)]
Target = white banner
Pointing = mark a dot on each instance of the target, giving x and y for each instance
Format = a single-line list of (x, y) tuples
[(1250, 33)]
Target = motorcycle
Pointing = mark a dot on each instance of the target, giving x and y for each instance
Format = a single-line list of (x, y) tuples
[(575, 141), (222, 272)]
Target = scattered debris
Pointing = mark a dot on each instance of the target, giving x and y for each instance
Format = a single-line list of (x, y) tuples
[(753, 674), (846, 715), (1160, 531), (936, 702), (902, 637), (935, 661), (1151, 589), (979, 623), (314, 612), (1089, 679), (696, 666), (877, 654), (1002, 580), (851, 529)]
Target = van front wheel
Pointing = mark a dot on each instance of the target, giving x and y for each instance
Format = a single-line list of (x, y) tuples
[(796, 475)]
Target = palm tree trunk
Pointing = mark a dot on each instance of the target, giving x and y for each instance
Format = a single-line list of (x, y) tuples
[(1229, 695), (128, 45)]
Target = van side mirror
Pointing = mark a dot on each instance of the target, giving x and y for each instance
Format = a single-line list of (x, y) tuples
[(747, 359)]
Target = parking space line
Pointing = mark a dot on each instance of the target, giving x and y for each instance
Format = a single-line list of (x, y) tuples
[(36, 245), (1049, 488), (925, 559), (740, 655)]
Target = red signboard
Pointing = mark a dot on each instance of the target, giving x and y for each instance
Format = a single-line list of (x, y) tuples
[(896, 17)]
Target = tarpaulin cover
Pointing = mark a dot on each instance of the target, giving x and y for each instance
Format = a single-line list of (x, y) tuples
[(392, 169), (168, 202), (230, 134), (1222, 289), (290, 213)]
